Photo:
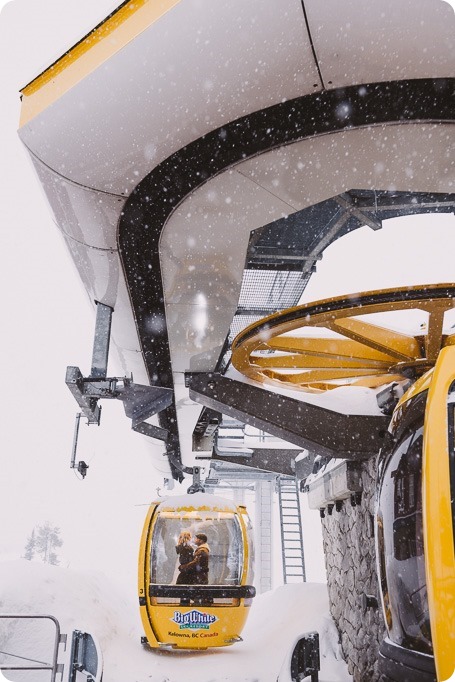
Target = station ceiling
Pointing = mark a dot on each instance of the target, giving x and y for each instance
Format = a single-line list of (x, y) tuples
[(188, 147)]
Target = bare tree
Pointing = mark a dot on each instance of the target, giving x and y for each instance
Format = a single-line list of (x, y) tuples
[(47, 541), (30, 547)]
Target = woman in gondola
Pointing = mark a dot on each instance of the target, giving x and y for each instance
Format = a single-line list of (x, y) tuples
[(186, 554)]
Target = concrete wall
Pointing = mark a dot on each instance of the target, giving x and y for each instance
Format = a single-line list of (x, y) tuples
[(348, 537)]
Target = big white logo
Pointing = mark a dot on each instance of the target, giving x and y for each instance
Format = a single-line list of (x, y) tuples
[(194, 620)]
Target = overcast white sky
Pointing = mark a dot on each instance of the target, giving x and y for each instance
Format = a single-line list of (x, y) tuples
[(48, 324)]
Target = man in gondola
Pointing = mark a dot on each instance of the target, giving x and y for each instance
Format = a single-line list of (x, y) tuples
[(196, 572), (201, 557)]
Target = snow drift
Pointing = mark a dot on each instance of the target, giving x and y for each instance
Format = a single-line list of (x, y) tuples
[(87, 601)]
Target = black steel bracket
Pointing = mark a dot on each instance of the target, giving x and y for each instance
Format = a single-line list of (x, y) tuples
[(311, 427), (86, 658), (140, 402)]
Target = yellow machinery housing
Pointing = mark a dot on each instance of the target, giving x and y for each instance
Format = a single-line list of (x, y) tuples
[(177, 616), (415, 521)]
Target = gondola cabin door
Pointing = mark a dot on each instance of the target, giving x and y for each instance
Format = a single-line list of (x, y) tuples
[(415, 528), (195, 572)]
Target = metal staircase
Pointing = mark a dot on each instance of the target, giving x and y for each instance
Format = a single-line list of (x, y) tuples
[(291, 531)]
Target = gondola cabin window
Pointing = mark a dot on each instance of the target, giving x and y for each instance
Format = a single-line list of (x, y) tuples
[(223, 547), (400, 537), (249, 532)]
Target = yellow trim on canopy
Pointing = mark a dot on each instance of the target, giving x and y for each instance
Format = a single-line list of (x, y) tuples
[(108, 38)]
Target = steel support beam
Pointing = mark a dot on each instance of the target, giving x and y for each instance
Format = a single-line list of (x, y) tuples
[(311, 427), (345, 200), (278, 461), (101, 340)]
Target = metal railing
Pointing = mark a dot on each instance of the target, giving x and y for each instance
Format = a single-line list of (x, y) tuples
[(53, 667)]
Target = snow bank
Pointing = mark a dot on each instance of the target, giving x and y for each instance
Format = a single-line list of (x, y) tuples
[(86, 601)]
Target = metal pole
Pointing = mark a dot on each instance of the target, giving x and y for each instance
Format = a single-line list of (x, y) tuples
[(76, 435)]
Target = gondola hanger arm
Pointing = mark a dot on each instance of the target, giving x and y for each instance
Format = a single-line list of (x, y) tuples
[(139, 401)]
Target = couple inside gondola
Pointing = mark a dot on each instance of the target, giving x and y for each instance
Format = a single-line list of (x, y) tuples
[(193, 562)]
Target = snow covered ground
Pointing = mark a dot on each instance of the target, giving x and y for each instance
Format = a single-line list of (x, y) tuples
[(87, 601)]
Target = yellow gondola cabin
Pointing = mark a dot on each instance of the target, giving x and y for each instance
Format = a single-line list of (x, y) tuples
[(204, 608)]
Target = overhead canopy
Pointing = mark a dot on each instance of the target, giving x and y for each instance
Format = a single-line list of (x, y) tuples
[(181, 140)]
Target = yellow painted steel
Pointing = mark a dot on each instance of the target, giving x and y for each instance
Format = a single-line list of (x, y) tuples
[(437, 516), (157, 618), (333, 350), (366, 354), (395, 344), (348, 348), (110, 36), (144, 576)]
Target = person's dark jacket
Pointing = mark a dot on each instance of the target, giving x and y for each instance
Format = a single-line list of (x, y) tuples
[(186, 554)]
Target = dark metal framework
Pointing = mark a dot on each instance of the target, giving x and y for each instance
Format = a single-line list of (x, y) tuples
[(154, 199), (283, 255), (324, 432), (140, 402), (203, 591)]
